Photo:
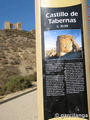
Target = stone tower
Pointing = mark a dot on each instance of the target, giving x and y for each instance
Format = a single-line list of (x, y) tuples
[(66, 44), (7, 25), (17, 26)]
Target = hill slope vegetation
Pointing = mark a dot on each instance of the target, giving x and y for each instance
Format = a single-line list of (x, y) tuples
[(17, 60)]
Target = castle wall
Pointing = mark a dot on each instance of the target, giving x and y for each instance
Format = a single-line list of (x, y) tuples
[(66, 44), (17, 26)]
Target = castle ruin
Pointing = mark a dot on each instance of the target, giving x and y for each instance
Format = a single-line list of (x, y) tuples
[(66, 44), (17, 26)]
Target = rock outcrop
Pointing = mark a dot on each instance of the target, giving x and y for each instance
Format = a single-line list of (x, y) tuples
[(66, 44)]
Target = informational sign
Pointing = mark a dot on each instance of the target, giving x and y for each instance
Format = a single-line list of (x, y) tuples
[(64, 77)]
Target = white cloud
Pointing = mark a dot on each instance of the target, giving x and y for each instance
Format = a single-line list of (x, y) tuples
[(50, 41)]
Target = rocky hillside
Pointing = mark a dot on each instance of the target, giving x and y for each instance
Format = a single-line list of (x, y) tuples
[(50, 53), (17, 54)]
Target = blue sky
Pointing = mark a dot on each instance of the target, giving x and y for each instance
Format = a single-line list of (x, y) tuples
[(18, 10), (88, 1), (50, 37)]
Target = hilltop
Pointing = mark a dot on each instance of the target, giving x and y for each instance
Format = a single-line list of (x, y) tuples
[(17, 54)]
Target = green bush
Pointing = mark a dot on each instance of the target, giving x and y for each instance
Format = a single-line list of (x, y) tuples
[(17, 83)]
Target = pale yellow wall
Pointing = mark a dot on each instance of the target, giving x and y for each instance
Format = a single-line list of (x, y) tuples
[(87, 48)]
